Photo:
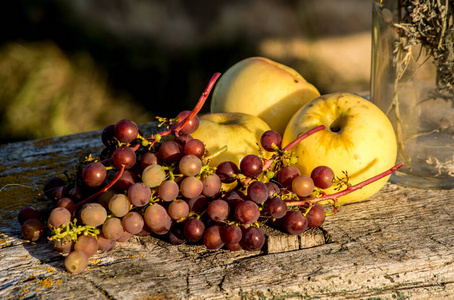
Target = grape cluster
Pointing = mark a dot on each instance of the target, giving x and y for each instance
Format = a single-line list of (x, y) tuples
[(164, 185)]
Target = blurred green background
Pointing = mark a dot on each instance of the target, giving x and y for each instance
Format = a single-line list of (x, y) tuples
[(74, 66)]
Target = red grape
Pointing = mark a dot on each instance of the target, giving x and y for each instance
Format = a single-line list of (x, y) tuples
[(126, 131), (295, 222), (232, 234), (149, 158), (247, 212), (227, 171), (276, 207), (108, 136), (87, 244), (212, 237), (316, 216), (194, 147), (286, 176), (190, 165), (170, 152), (32, 230), (178, 209), (218, 210), (124, 156), (251, 165), (112, 228), (157, 219), (269, 138), (67, 203), (168, 190), (139, 194), (133, 222), (211, 185), (193, 230), (27, 213), (59, 216), (302, 185), (191, 187), (257, 192), (191, 126), (253, 239), (323, 177), (93, 214)]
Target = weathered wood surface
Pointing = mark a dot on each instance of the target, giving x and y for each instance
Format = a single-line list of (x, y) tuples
[(398, 245)]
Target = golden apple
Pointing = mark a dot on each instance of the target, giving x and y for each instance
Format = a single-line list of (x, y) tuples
[(358, 138), (264, 88), (240, 132)]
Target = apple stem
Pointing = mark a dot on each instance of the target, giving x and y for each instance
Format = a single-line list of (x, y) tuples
[(98, 193), (348, 190), (176, 128)]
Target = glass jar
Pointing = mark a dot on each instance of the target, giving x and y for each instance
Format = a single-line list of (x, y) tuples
[(412, 81)]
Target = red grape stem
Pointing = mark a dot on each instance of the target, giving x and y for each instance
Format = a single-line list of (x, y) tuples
[(334, 197), (98, 193), (176, 128)]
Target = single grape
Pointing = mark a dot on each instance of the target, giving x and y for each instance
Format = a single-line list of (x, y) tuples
[(170, 152), (233, 246), (27, 213), (212, 237), (286, 175), (139, 194), (32, 230), (133, 222), (316, 216), (198, 204), (251, 165), (63, 245), (194, 147), (257, 191), (124, 156), (149, 158), (87, 244), (227, 171), (126, 131), (176, 234), (302, 185), (59, 216), (276, 207), (323, 177), (269, 138), (59, 192), (191, 126), (44, 214), (125, 236), (253, 239), (191, 187), (108, 136), (105, 244), (183, 138), (168, 190), (178, 209), (76, 262), (193, 230), (93, 214), (295, 222), (157, 219), (105, 197), (76, 194), (247, 212), (218, 210), (112, 228), (211, 185), (190, 165), (119, 205), (153, 176), (232, 234), (127, 179), (51, 184), (67, 203), (273, 188), (234, 197)]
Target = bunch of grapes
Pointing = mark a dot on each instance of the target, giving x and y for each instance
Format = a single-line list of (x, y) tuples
[(164, 185)]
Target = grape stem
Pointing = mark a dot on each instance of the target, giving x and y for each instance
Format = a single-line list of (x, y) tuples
[(334, 197), (176, 128), (98, 193)]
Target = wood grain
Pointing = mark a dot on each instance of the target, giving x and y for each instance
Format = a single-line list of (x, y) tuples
[(397, 245)]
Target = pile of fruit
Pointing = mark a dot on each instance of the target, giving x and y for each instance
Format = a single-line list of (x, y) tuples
[(167, 185)]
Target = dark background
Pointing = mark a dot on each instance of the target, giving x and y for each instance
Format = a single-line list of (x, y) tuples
[(72, 66)]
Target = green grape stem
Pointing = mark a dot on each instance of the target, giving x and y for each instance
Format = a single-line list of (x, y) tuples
[(334, 197), (98, 193)]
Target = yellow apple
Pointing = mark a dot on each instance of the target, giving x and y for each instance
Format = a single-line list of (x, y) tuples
[(264, 88), (358, 138), (240, 132)]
